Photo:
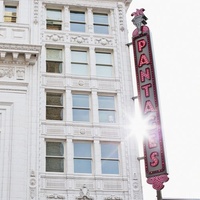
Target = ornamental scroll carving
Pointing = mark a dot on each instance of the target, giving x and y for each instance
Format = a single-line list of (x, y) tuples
[(157, 181), (55, 37), (79, 39), (103, 41), (84, 194)]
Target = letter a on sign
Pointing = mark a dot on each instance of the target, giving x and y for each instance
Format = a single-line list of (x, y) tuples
[(143, 60)]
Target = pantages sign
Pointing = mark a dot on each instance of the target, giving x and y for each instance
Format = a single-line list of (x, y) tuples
[(154, 155)]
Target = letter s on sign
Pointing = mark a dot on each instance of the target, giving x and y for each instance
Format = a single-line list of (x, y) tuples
[(154, 159)]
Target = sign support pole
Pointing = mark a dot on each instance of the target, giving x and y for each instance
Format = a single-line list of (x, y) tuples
[(159, 194)]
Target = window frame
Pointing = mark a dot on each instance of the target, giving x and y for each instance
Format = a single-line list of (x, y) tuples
[(60, 62), (102, 25), (104, 66), (77, 22), (77, 62), (61, 107), (58, 24), (81, 108), (116, 159), (107, 109), (84, 158), (5, 15), (62, 157)]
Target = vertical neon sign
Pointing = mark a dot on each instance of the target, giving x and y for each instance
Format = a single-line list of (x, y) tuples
[(154, 155)]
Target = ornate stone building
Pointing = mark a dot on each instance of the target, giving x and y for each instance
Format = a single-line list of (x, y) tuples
[(65, 101)]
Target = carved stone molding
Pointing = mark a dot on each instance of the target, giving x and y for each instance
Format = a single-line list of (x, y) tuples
[(84, 194), (32, 184), (135, 183), (55, 196), (113, 197), (20, 73), (36, 11), (6, 72), (9, 72), (121, 17)]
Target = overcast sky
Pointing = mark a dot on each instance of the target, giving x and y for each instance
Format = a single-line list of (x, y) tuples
[(175, 34)]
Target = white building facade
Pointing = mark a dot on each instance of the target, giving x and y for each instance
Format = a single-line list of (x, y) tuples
[(65, 101)]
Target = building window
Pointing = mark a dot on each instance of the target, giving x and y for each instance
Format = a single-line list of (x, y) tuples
[(54, 106), (106, 109), (82, 157), (10, 14), (101, 23), (77, 21), (81, 109), (54, 157), (104, 67), (54, 60), (109, 158), (79, 63), (54, 19)]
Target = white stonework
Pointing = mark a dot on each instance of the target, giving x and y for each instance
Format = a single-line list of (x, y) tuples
[(24, 84)]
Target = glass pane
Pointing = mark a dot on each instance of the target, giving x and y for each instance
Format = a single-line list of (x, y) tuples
[(53, 67), (54, 164), (10, 19), (101, 18), (79, 56), (53, 113), (104, 71), (54, 14), (107, 116), (103, 58), (10, 14), (109, 167), (106, 102), (54, 149), (54, 26), (82, 166), (81, 115), (77, 16), (80, 101), (101, 29), (109, 150), (54, 54), (82, 149), (11, 9), (54, 99), (80, 69), (77, 27)]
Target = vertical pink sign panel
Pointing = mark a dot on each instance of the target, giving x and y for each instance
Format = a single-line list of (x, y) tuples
[(154, 155)]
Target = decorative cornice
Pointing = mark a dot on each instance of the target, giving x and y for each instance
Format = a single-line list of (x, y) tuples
[(30, 52)]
